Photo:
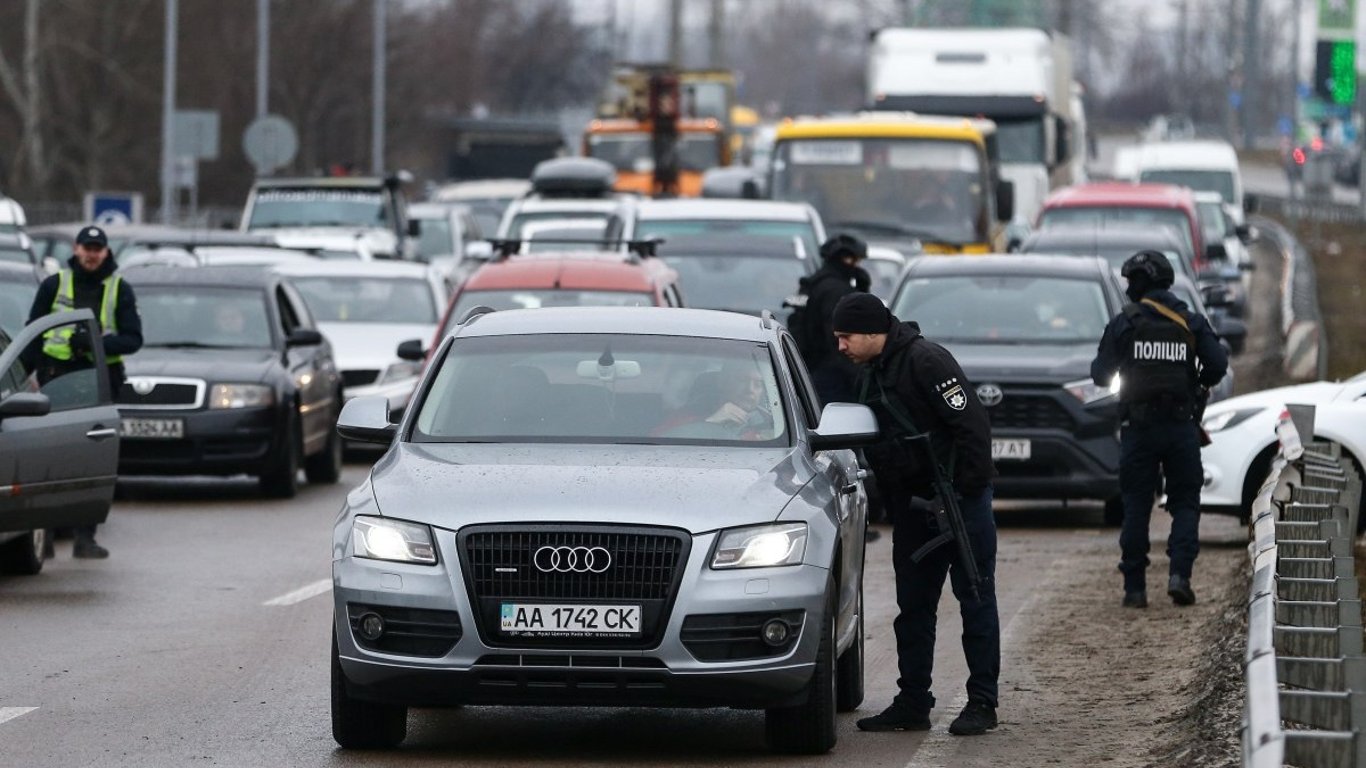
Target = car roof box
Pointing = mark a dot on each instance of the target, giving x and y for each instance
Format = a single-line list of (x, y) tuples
[(573, 177)]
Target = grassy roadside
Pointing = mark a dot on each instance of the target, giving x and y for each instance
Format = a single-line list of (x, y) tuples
[(1339, 254)]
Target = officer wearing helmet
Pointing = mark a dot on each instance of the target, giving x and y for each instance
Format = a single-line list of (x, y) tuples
[(839, 275), (1163, 358)]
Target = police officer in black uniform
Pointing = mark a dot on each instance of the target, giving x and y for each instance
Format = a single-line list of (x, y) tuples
[(1167, 358), (840, 275), (915, 386)]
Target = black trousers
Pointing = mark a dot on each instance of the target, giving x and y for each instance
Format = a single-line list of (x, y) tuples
[(918, 588), (1173, 448)]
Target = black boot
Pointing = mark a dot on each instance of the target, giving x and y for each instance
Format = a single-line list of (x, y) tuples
[(1179, 587), (897, 717), (88, 549), (976, 719), (1136, 599)]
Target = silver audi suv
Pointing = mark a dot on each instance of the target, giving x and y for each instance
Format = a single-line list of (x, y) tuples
[(604, 506)]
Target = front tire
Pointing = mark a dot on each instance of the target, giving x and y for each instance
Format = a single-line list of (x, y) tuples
[(363, 724), (24, 556), (809, 728), (325, 467), (281, 481), (849, 671)]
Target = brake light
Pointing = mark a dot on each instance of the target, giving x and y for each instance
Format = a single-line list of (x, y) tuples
[(1316, 144), (1298, 156)]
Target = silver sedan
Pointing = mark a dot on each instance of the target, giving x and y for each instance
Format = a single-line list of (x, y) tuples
[(605, 506)]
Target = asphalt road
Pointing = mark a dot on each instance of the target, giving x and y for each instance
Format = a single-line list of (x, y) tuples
[(203, 640)]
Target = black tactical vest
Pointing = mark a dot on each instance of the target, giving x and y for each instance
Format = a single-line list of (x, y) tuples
[(1159, 363)]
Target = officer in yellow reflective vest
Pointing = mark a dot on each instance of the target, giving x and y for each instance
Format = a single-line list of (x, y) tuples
[(88, 282)]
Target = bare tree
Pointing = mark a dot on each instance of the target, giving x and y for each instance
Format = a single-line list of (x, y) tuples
[(22, 86)]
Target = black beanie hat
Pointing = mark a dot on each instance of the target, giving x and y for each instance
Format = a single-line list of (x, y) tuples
[(862, 313), (842, 245)]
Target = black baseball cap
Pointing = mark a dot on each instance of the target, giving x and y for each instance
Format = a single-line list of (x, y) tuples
[(92, 236)]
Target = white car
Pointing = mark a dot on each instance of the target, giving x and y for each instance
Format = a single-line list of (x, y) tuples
[(1243, 431), (366, 310)]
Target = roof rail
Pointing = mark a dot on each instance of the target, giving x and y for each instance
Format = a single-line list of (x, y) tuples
[(475, 313), (766, 320), (504, 247)]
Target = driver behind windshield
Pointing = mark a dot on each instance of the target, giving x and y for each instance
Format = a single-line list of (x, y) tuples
[(726, 403)]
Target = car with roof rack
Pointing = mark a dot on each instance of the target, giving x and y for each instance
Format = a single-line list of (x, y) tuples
[(578, 188), (604, 506)]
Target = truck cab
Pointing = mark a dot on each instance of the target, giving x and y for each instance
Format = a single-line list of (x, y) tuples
[(626, 144)]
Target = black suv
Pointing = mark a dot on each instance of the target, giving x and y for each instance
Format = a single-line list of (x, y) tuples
[(1025, 329), (233, 377)]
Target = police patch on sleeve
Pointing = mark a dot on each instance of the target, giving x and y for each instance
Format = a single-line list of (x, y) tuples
[(955, 398)]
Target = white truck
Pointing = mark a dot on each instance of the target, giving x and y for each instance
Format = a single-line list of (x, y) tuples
[(1019, 78)]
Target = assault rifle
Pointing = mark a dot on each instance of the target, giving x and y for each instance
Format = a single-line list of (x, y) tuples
[(948, 520)]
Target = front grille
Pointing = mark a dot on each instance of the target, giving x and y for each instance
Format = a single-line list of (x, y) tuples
[(408, 631), (1017, 411), (736, 636), (358, 378), (175, 394), (645, 567)]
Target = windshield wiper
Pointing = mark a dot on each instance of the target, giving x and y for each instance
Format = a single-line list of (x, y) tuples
[(893, 227)]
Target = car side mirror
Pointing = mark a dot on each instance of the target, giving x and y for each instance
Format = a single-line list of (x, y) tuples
[(411, 350), (1005, 200), (1215, 296), (844, 425), (304, 337), (479, 250), (1216, 252), (1232, 330), (1251, 203), (1248, 266), (25, 404), (414, 227), (366, 420), (1246, 233)]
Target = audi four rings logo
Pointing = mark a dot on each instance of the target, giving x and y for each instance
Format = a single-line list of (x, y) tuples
[(572, 560), (990, 394)]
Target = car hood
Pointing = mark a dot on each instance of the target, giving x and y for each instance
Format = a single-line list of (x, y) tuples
[(212, 365), (1025, 363), (699, 489), (1313, 393), (371, 345)]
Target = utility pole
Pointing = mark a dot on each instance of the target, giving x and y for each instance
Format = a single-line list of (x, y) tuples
[(377, 113), (676, 33), (168, 190), (716, 35), (1252, 79), (1183, 69), (262, 56)]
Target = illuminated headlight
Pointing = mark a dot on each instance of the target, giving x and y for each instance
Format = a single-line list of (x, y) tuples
[(406, 369), (1088, 392), (380, 538), (761, 546), (240, 396), (1219, 422)]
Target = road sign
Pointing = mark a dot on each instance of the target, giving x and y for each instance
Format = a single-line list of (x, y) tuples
[(270, 143), (107, 208), (196, 134)]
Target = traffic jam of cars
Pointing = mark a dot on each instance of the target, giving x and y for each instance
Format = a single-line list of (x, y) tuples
[(596, 470)]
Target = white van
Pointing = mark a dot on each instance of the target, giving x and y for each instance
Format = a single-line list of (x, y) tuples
[(11, 215), (1204, 166)]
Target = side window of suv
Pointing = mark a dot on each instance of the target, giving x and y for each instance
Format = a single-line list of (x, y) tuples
[(70, 387), (806, 394), (289, 320)]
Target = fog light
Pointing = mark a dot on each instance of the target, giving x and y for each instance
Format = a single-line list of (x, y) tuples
[(775, 632), (371, 626)]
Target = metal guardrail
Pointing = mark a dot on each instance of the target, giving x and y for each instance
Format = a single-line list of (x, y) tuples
[(1305, 669), (1305, 356)]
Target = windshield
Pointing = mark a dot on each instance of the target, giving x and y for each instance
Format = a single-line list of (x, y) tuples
[(352, 299), (561, 388), (200, 316), (1200, 181), (631, 152), (517, 228), (436, 238), (1099, 217), (748, 284), (884, 274), (1005, 309), (318, 208), (15, 256), (1020, 141), (15, 301), (778, 230), (919, 188), (550, 297)]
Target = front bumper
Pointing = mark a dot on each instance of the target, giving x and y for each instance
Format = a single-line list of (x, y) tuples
[(484, 670), (216, 442), (1060, 466)]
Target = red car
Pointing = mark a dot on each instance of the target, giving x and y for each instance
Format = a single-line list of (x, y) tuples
[(565, 279), (1098, 206)]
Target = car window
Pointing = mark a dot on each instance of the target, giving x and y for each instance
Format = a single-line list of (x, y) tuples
[(806, 393), (368, 300), (1100, 217), (16, 298), (13, 379), (780, 231), (15, 255), (436, 238), (70, 389), (604, 388), (203, 316), (538, 299), (738, 283), (1005, 309), (289, 321)]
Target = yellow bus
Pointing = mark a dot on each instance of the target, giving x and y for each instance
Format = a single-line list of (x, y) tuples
[(897, 179)]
